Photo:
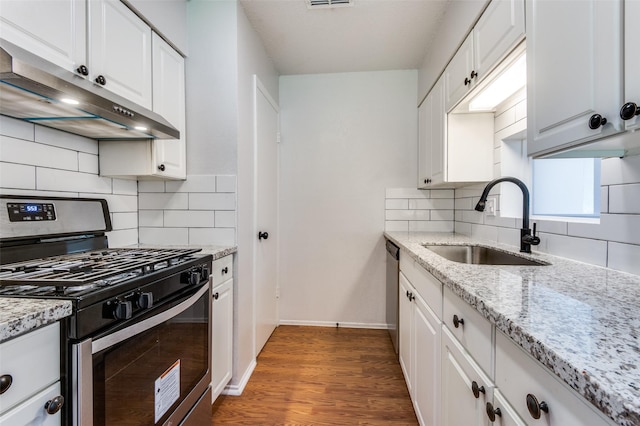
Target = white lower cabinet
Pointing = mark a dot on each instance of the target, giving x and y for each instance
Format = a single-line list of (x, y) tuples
[(221, 325), (419, 337), (465, 388), (535, 392), (31, 365), (504, 413)]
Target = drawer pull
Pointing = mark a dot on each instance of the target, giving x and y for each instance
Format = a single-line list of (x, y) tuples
[(225, 270), (216, 295), (534, 407), (477, 390), (54, 405), (5, 383), (457, 322), (493, 412)]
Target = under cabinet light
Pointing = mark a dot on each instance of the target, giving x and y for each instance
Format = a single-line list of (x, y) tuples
[(509, 82), (141, 128), (69, 101)]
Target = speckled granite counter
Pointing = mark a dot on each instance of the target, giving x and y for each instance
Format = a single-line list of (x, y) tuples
[(580, 321), (19, 316), (216, 251)]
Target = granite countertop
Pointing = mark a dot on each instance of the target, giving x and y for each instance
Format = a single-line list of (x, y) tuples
[(19, 316), (580, 321), (216, 251)]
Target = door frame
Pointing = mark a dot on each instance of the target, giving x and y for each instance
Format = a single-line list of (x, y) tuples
[(259, 87)]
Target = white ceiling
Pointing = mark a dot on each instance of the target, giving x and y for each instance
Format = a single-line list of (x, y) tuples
[(370, 35)]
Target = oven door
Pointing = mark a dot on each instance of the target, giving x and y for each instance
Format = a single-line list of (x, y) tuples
[(154, 371)]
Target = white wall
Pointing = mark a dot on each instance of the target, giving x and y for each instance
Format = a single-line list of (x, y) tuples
[(36, 160), (345, 138)]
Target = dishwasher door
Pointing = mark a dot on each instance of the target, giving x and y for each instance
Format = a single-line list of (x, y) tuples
[(393, 256)]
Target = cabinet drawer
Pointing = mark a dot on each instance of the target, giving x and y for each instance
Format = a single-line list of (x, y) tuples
[(473, 331), (32, 361), (518, 374), (222, 270), (427, 286), (32, 412)]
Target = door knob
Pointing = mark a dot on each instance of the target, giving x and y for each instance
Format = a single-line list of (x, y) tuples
[(596, 120), (629, 110), (263, 235)]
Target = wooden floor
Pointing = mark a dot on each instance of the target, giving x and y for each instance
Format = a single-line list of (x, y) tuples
[(322, 376)]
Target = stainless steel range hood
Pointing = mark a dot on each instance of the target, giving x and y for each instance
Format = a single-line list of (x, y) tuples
[(33, 89)]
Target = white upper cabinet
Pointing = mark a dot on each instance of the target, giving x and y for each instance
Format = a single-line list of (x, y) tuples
[(158, 158), (56, 32), (574, 69), (497, 32), (169, 102), (431, 138), (632, 62), (120, 51)]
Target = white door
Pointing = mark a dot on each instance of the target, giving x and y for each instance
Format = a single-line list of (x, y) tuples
[(266, 220)]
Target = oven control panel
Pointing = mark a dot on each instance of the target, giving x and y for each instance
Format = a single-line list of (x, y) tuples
[(23, 212)]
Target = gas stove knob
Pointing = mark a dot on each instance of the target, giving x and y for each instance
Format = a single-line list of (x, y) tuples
[(191, 277), (205, 273), (145, 300), (123, 310)]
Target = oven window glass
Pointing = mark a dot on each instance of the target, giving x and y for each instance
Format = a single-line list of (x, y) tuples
[(126, 376)]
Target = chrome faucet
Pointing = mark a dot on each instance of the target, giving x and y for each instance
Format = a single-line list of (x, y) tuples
[(527, 239)]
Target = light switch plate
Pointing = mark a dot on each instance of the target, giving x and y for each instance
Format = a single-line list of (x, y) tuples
[(490, 206)]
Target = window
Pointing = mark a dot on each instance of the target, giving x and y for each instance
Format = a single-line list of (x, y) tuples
[(567, 187)]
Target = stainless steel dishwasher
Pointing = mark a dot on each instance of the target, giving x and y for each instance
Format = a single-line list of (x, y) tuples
[(393, 256)]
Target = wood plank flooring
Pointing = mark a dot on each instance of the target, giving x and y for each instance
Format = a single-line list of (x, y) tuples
[(322, 376)]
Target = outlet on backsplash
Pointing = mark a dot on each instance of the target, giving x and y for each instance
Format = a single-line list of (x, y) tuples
[(490, 206)]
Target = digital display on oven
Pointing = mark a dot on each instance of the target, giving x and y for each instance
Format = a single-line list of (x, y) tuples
[(31, 212)]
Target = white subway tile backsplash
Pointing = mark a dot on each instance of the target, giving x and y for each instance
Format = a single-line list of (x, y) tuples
[(505, 119), (442, 193), (620, 228), (484, 232), (463, 204), (225, 219), (462, 227), (617, 171), (150, 186), (125, 187), (122, 237), (88, 163), (215, 236), (163, 201), (17, 176), (396, 204), (127, 220), (581, 249), (36, 154), (442, 215), (472, 216), (510, 236), (15, 128), (194, 183), (225, 183), (396, 225), (503, 222), (218, 201), (63, 180), (433, 204), (551, 226), (407, 215), (164, 236), (604, 199), (151, 218), (624, 257), (430, 226), (117, 203), (407, 193), (189, 218), (624, 198), (49, 136)]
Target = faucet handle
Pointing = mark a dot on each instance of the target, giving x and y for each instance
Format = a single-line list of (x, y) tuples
[(535, 240)]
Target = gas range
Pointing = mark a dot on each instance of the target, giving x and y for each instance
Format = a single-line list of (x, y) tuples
[(146, 308)]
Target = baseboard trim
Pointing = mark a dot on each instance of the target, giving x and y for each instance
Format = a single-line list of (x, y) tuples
[(238, 388), (333, 324)]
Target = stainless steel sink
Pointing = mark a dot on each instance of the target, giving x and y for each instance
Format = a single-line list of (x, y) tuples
[(479, 255)]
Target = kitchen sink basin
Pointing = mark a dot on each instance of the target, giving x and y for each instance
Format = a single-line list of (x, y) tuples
[(479, 255)]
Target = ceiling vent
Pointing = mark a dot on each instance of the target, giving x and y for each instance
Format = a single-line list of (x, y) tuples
[(322, 4)]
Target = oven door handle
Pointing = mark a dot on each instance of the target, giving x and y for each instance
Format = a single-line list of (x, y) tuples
[(142, 326)]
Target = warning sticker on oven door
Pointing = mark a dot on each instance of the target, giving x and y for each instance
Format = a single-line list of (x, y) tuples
[(167, 389)]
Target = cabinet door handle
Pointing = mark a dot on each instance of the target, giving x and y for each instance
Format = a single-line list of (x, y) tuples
[(474, 74), (225, 270), (493, 412), (101, 80), (629, 110), (216, 295), (596, 120), (467, 81), (5, 383), (457, 322), (161, 167), (477, 390), (54, 405), (263, 235), (83, 70), (535, 408), (411, 297)]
